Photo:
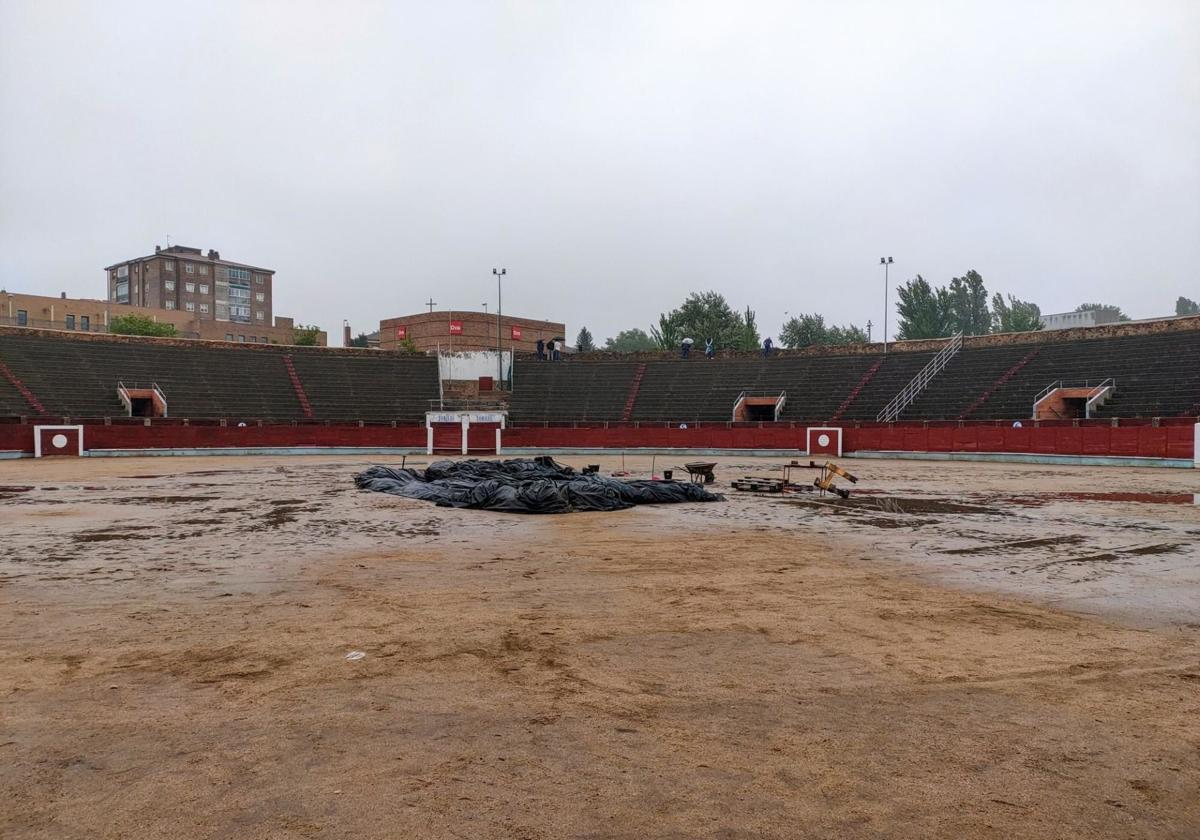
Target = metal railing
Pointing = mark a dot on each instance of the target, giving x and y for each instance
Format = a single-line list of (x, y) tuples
[(1094, 395), (919, 382), (780, 398), (1098, 394), (123, 389), (466, 405)]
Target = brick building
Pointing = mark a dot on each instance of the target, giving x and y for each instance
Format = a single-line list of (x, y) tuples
[(465, 331), (92, 315), (203, 285)]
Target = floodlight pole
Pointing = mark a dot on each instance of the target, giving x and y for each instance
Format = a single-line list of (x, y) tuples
[(499, 272), (885, 262)]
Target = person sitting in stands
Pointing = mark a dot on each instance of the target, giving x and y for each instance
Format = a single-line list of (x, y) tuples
[(709, 351), (767, 346), (541, 350), (685, 349)]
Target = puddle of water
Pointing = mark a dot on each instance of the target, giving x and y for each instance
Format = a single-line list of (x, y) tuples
[(1017, 545), (897, 505), (1141, 498)]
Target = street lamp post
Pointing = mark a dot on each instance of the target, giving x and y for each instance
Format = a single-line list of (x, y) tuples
[(885, 262), (499, 272)]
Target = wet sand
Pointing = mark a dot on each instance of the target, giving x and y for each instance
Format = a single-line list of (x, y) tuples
[(958, 650)]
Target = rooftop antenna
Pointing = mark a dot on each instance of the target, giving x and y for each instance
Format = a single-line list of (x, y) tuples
[(168, 240)]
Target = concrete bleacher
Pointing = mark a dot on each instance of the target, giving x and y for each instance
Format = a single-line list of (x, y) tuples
[(1157, 375), (591, 391), (78, 378)]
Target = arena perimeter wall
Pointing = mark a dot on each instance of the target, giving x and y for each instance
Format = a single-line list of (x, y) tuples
[(1173, 440)]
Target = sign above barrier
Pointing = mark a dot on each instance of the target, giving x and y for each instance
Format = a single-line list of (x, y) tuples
[(456, 327), (516, 333), (401, 333)]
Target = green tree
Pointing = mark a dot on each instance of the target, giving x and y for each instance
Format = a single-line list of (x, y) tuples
[(1106, 308), (306, 336), (969, 305), (360, 340), (630, 341), (668, 333), (808, 330), (703, 315), (1186, 306), (583, 341), (750, 338), (407, 346), (925, 312), (141, 325), (848, 334), (1015, 315)]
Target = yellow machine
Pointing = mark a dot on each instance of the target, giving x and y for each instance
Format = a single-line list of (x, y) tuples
[(830, 471)]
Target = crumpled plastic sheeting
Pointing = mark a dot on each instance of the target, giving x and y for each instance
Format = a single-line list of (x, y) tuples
[(525, 485)]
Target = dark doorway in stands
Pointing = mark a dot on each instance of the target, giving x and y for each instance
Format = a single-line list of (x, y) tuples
[(760, 413)]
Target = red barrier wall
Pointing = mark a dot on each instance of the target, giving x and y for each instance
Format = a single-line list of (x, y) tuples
[(1146, 441)]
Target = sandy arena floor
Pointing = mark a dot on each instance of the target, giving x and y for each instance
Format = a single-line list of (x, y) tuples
[(961, 650)]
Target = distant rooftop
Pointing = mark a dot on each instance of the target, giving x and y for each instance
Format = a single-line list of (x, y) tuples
[(194, 253)]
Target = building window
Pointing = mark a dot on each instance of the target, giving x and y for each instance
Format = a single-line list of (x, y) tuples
[(170, 284), (258, 315), (203, 288), (85, 323), (170, 304), (260, 297), (242, 339), (204, 269), (22, 317), (190, 268), (254, 339), (204, 307), (258, 278), (169, 266), (239, 274), (229, 336), (189, 306), (70, 322), (266, 340), (189, 287), (122, 271)]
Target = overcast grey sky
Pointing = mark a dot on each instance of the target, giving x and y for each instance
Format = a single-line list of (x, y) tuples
[(612, 156)]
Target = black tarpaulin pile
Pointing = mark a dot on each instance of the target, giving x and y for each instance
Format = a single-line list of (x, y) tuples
[(525, 485)]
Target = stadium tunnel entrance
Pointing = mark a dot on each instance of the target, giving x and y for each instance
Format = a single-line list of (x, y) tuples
[(758, 408)]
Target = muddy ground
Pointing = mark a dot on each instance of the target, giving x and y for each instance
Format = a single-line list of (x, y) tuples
[(958, 650)]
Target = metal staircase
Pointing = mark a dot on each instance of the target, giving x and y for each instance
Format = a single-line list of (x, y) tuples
[(919, 382)]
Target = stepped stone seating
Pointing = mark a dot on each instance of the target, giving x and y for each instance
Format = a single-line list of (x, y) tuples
[(567, 391), (12, 404), (895, 372), (388, 387), (1157, 375), (968, 376), (79, 379)]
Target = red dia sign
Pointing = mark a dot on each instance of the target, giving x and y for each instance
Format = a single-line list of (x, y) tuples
[(401, 333), (456, 328), (516, 333)]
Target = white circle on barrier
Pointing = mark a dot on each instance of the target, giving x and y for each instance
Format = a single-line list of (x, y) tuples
[(58, 441), (822, 440)]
